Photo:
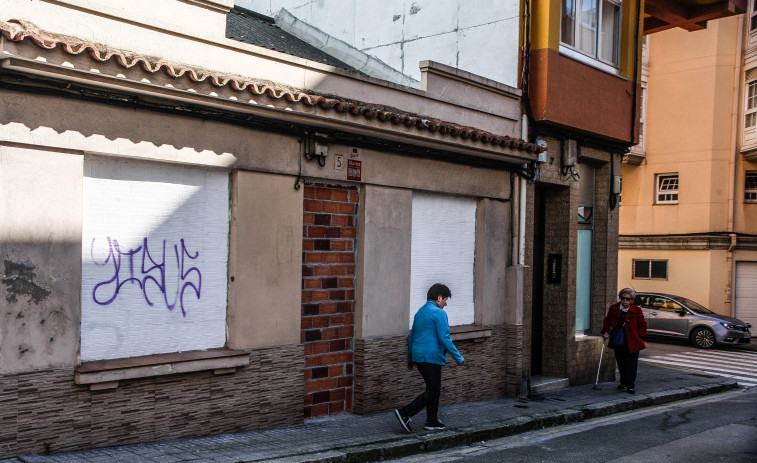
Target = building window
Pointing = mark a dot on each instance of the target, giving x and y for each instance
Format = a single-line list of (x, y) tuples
[(750, 187), (443, 254), (592, 27), (154, 271), (667, 189), (648, 269), (750, 111)]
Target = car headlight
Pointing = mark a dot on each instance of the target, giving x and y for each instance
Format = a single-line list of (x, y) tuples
[(730, 326)]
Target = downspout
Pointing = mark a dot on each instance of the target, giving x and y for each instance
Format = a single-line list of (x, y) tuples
[(736, 124), (522, 204)]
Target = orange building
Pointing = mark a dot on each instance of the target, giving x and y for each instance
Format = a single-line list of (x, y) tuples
[(688, 220)]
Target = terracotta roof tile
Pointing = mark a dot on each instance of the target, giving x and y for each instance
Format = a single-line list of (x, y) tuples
[(20, 31)]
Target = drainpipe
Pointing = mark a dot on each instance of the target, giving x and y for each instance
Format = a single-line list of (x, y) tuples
[(522, 204), (736, 124)]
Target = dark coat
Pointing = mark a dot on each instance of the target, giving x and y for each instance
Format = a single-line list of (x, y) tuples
[(635, 327)]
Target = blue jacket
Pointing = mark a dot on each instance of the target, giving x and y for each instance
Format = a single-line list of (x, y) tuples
[(429, 339)]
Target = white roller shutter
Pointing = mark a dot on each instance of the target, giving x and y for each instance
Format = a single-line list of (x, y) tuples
[(443, 248), (154, 258), (746, 292)]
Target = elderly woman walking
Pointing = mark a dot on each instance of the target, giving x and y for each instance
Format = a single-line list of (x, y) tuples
[(629, 318)]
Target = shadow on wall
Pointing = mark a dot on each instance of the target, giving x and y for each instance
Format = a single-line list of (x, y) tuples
[(95, 127)]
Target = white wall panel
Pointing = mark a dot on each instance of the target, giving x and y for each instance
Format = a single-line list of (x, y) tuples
[(443, 249), (154, 258), (746, 288)]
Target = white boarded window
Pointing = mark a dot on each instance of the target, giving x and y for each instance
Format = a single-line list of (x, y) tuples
[(154, 258), (443, 248)]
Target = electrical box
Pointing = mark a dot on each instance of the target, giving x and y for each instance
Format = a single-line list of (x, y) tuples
[(569, 153), (617, 184)]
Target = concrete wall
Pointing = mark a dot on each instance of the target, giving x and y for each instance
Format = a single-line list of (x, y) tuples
[(383, 282), (265, 262), (40, 248), (480, 38)]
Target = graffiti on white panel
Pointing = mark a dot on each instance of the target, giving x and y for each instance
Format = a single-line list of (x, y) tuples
[(168, 272)]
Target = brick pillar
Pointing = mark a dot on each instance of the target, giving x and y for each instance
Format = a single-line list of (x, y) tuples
[(328, 297)]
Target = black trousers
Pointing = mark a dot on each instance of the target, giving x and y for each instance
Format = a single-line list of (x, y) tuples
[(628, 363), (432, 375)]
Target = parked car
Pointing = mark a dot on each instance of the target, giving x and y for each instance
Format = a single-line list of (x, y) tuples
[(679, 317)]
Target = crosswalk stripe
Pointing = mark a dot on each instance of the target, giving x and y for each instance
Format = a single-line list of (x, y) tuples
[(748, 380), (724, 354), (707, 366), (739, 361)]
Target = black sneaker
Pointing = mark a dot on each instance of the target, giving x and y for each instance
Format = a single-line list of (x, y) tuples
[(621, 387), (631, 390), (403, 419), (434, 425)]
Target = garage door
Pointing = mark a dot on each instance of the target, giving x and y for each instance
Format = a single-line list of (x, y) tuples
[(746, 292)]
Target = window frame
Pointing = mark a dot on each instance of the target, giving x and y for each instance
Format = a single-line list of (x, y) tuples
[(752, 24), (750, 191), (592, 57), (659, 191), (636, 262), (750, 130)]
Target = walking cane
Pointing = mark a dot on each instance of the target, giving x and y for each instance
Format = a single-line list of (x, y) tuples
[(596, 382)]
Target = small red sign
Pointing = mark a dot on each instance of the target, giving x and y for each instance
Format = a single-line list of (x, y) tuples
[(354, 169)]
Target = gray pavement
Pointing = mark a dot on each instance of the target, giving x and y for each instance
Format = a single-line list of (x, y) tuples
[(363, 438)]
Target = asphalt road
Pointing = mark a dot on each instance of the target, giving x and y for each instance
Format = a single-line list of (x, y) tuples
[(703, 430)]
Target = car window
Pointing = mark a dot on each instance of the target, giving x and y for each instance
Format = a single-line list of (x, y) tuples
[(642, 301), (662, 303), (698, 308)]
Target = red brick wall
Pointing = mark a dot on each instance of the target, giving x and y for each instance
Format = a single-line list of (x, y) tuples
[(328, 297)]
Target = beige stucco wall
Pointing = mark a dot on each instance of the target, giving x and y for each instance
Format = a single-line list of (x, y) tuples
[(383, 280), (265, 261), (492, 252), (690, 130), (744, 214), (699, 275), (383, 262), (40, 230)]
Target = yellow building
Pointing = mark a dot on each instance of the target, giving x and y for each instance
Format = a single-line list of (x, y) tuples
[(688, 215)]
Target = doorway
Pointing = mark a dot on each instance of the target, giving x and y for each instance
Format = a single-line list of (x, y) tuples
[(537, 308)]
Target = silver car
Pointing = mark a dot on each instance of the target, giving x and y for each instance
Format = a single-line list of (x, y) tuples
[(680, 317)]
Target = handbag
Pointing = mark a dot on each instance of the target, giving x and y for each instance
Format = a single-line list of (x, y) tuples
[(618, 334), (617, 337)]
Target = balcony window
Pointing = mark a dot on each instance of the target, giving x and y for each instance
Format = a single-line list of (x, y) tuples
[(750, 113), (592, 28)]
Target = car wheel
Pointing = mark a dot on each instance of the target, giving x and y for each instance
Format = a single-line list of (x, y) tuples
[(703, 338)]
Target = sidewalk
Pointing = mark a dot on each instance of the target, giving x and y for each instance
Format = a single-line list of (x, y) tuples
[(358, 438)]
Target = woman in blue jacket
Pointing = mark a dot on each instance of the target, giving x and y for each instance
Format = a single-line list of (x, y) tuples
[(427, 349)]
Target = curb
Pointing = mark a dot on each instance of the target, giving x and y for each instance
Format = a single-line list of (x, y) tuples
[(398, 448)]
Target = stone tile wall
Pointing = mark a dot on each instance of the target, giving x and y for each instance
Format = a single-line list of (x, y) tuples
[(46, 409), (492, 368)]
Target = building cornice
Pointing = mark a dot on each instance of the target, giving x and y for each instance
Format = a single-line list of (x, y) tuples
[(703, 241)]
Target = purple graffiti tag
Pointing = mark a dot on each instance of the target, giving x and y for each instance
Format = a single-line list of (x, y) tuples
[(150, 271)]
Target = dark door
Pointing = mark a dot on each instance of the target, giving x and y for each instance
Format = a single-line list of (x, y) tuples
[(537, 309)]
